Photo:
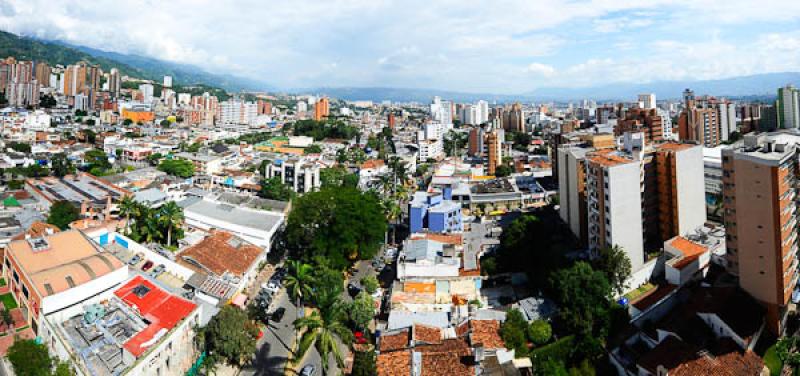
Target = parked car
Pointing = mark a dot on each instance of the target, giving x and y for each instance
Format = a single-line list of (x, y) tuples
[(308, 370), (158, 270), (147, 265), (277, 315), (135, 260)]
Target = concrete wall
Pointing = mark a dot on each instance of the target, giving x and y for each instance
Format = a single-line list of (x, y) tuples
[(625, 211), (690, 179)]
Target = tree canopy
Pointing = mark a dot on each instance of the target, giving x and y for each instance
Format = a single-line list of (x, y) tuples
[(337, 177), (62, 213), (320, 130), (614, 262), (29, 358), (229, 336), (274, 189), (339, 224), (177, 167)]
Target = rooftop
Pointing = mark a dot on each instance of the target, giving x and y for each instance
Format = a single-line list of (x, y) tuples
[(61, 261), (252, 218), (221, 253), (77, 189)]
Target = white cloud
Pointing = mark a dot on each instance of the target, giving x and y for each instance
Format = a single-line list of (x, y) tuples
[(481, 45), (543, 70)]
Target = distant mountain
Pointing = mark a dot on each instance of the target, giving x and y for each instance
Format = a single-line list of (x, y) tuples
[(756, 85), (760, 85), (56, 52), (181, 73)]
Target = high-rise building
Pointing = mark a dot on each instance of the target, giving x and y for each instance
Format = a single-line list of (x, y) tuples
[(475, 141), (647, 121), (390, 120), (43, 73), (760, 176), (147, 92), (22, 88), (264, 107), (95, 77), (789, 107), (700, 125), (647, 101), (442, 111), (514, 119), (482, 111), (235, 111), (74, 79), (167, 81), (321, 109), (681, 190), (114, 82), (495, 151)]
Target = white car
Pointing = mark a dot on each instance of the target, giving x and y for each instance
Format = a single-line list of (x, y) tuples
[(271, 287)]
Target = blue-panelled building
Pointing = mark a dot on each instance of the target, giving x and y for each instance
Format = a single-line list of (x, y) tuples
[(434, 212)]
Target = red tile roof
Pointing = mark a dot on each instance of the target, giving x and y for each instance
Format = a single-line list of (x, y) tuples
[(396, 341), (427, 334), (216, 253), (162, 309), (486, 334), (396, 363)]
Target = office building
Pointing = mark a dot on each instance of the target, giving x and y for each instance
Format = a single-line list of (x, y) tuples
[(789, 107), (321, 109), (760, 177)]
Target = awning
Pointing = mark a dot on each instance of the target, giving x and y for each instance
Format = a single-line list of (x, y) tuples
[(239, 300)]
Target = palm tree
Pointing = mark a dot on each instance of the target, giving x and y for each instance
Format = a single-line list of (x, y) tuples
[(128, 208), (170, 215), (325, 328), (298, 280)]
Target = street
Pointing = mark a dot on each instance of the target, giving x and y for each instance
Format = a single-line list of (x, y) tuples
[(275, 346)]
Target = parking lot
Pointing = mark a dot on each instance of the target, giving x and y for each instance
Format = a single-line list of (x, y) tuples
[(137, 262)]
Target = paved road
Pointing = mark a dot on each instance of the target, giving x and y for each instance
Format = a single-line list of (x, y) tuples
[(275, 346)]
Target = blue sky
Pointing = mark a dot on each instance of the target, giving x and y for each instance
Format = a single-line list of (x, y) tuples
[(501, 46)]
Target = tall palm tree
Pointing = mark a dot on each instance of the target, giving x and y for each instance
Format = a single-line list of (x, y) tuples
[(325, 328), (128, 208), (171, 216), (298, 280)]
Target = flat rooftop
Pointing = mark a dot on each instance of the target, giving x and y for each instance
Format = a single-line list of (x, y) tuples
[(256, 219), (61, 261), (77, 189)]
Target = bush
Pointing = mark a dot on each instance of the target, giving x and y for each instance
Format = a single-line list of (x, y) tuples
[(370, 283), (539, 332), (560, 350)]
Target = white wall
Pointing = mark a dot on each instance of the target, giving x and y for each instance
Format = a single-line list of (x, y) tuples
[(84, 291), (690, 177), (625, 211)]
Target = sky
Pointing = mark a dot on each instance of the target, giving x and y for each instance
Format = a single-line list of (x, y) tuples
[(499, 46)]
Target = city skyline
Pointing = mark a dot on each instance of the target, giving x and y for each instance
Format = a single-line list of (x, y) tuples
[(508, 48)]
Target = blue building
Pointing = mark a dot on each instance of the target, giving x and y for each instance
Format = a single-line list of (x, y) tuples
[(435, 212)]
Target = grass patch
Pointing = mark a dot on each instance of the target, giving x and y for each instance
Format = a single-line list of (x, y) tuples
[(772, 361), (8, 301), (633, 295), (2, 282)]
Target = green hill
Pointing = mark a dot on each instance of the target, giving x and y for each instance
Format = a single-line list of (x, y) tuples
[(186, 78)]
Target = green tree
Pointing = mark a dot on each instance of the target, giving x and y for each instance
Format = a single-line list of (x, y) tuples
[(324, 328), (362, 310), (513, 331), (274, 189), (127, 122), (502, 171), (337, 177), (98, 159), (615, 264), (229, 336), (170, 215), (313, 149), (177, 167), (299, 280), (370, 283), (364, 363), (64, 369), (552, 367), (583, 369), (61, 165), (165, 123), (526, 246), (128, 208), (584, 298), (539, 332), (340, 224), (19, 147), (194, 148), (29, 358), (91, 136), (62, 213)]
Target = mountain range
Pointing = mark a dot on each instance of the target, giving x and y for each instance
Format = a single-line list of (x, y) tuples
[(58, 52)]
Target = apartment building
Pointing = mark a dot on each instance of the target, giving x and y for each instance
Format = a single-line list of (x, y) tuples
[(680, 176), (614, 192), (299, 174), (760, 177)]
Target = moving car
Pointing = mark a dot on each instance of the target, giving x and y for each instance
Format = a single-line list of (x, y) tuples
[(308, 370), (277, 315)]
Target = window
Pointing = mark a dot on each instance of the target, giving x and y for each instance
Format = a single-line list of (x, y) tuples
[(25, 291), (16, 277)]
